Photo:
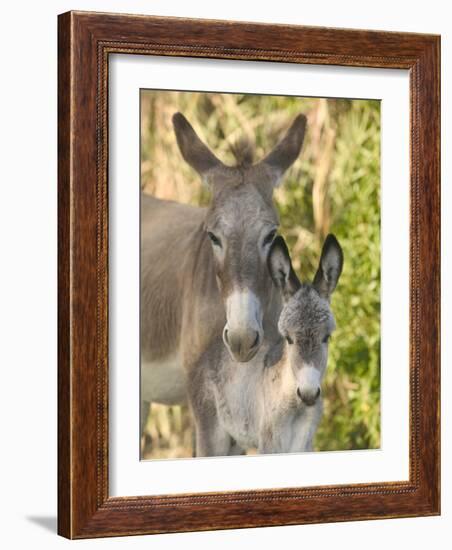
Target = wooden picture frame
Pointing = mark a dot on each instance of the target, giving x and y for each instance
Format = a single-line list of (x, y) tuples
[(85, 42)]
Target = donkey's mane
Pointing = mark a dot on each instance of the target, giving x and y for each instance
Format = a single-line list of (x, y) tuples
[(243, 151)]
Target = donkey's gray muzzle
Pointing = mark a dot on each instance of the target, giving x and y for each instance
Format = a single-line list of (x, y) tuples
[(242, 344), (309, 398)]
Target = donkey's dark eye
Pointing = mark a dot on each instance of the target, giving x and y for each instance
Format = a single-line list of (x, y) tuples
[(215, 240), (289, 340), (327, 337), (269, 238)]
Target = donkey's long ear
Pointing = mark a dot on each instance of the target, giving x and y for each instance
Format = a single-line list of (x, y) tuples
[(330, 267), (195, 153), (281, 270), (288, 149)]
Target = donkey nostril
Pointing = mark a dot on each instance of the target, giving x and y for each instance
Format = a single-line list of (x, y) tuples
[(242, 345), (308, 400), (256, 341)]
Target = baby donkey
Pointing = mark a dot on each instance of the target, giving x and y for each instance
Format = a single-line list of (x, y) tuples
[(273, 402)]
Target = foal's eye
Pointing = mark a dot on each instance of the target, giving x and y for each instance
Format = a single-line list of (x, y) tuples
[(327, 337), (215, 240), (269, 238), (289, 340)]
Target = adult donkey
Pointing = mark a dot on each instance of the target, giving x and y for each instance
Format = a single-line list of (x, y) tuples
[(203, 270)]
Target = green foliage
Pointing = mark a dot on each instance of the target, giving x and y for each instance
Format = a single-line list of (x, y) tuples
[(352, 386), (333, 187)]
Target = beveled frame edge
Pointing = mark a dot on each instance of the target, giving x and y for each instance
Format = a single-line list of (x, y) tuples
[(85, 41)]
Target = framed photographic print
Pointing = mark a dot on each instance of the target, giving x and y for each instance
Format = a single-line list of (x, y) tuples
[(248, 275)]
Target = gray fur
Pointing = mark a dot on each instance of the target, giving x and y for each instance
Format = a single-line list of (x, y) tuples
[(265, 402), (186, 280)]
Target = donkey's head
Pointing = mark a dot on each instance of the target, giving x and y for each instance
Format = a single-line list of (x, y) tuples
[(241, 224), (306, 320)]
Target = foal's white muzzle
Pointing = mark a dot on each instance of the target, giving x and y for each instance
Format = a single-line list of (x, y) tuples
[(309, 384), (243, 333)]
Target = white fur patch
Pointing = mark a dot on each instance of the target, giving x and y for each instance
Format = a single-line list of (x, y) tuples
[(243, 310), (309, 378)]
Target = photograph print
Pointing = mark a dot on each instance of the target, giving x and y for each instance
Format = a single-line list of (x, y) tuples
[(260, 274)]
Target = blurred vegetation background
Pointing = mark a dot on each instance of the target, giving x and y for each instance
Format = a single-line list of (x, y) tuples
[(334, 186)]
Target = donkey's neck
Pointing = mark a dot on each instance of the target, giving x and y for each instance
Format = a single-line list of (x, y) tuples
[(279, 380), (271, 317), (203, 281), (203, 311)]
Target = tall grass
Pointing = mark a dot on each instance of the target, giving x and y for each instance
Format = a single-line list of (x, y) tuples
[(333, 187)]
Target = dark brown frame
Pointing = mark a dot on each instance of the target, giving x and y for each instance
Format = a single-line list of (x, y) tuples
[(85, 41)]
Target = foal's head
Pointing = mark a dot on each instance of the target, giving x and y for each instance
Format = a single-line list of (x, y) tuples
[(241, 224), (306, 321)]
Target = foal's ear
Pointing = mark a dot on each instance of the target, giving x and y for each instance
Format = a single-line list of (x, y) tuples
[(281, 270), (288, 149), (330, 267), (195, 153)]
